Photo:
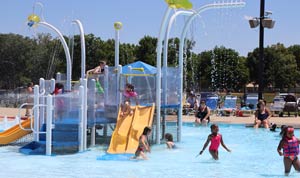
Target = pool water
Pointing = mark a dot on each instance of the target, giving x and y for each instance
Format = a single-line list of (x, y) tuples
[(253, 155), (6, 125)]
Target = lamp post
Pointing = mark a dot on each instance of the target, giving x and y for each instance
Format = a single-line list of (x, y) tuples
[(264, 22)]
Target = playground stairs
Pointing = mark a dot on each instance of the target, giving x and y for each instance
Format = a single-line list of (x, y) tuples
[(64, 141)]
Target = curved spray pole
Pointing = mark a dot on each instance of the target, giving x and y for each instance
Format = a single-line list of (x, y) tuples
[(82, 41), (182, 37), (165, 52), (172, 4), (41, 10), (117, 26), (67, 53), (158, 72)]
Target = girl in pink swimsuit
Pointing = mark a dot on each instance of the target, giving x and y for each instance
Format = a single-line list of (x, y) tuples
[(290, 145), (215, 139), (130, 93)]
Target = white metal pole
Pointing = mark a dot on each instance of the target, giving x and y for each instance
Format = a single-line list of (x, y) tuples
[(40, 110), (166, 39), (105, 85), (67, 53), (42, 86), (158, 74), (165, 56), (84, 81), (36, 113), (81, 118), (117, 26), (85, 105), (49, 125), (82, 41), (52, 85), (58, 77), (116, 48), (93, 135), (119, 71), (92, 103)]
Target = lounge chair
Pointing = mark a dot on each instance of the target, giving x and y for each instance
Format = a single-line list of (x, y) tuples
[(212, 102), (250, 106), (229, 107)]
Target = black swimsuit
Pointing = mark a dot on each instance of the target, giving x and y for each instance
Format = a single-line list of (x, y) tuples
[(263, 116), (202, 114)]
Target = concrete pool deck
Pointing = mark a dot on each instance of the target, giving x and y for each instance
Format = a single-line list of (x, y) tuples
[(248, 120)]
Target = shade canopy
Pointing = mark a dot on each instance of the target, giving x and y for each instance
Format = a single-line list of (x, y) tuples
[(139, 68)]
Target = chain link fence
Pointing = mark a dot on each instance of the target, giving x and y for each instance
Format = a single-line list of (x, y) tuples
[(13, 98)]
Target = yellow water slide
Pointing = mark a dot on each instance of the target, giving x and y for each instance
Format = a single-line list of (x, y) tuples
[(14, 133), (126, 135)]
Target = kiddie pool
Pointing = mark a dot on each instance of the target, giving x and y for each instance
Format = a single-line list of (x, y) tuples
[(253, 155)]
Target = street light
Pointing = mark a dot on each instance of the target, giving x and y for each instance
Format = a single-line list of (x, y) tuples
[(267, 22), (264, 21)]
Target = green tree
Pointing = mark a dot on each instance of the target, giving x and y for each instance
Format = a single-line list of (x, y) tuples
[(280, 66), (146, 50), (295, 50), (127, 55), (173, 50), (15, 50), (225, 73), (202, 68)]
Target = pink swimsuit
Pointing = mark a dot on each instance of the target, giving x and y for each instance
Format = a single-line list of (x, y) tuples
[(130, 94), (215, 142)]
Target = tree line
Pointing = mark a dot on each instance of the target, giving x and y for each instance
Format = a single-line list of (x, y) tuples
[(24, 59)]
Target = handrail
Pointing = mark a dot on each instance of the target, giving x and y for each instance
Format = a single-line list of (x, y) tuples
[(43, 92), (31, 121)]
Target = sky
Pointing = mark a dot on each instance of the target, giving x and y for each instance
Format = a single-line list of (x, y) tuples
[(215, 27)]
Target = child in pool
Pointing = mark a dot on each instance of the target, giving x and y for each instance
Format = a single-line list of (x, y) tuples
[(169, 141), (290, 145), (282, 129), (215, 139), (59, 101), (126, 109), (273, 127), (143, 144)]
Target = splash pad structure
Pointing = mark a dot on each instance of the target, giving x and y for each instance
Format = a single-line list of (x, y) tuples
[(59, 123), (165, 32), (80, 103)]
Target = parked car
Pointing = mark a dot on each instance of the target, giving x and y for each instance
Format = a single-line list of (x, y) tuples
[(278, 105), (290, 105)]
